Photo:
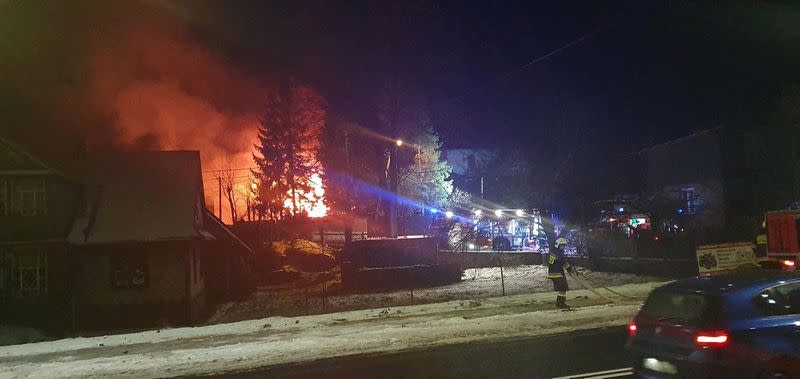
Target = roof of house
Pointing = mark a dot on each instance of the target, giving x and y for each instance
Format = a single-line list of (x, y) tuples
[(141, 197), (221, 232), (15, 157)]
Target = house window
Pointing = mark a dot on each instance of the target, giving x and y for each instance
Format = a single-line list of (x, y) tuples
[(23, 271), (689, 197), (129, 273), (3, 196), (29, 196)]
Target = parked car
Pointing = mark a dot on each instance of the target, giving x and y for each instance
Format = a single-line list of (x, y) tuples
[(733, 325)]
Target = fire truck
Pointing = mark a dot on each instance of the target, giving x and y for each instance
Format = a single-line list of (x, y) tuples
[(783, 237), (507, 230)]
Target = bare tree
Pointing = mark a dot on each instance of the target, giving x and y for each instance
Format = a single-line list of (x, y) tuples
[(228, 182)]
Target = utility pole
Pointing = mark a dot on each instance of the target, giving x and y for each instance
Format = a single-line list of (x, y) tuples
[(348, 226), (393, 190), (393, 184), (219, 191)]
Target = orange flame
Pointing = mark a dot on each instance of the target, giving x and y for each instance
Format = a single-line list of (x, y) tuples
[(311, 202)]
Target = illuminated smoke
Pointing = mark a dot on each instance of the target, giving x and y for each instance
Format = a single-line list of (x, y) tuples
[(159, 88)]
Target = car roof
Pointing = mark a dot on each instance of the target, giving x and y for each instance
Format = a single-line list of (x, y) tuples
[(726, 283)]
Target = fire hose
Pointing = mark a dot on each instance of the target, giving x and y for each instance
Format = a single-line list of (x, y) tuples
[(578, 276)]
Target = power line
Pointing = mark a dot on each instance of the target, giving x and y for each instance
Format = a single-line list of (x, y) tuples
[(231, 169), (533, 61)]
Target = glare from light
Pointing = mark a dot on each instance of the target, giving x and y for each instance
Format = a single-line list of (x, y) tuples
[(434, 210), (519, 212), (399, 142), (478, 212), (448, 214), (498, 213), (471, 246)]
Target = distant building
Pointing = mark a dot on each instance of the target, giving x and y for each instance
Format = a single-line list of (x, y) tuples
[(723, 180), (122, 241), (685, 177)]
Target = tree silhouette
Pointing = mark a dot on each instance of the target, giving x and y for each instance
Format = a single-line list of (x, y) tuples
[(288, 154)]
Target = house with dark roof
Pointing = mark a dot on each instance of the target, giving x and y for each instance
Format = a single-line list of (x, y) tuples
[(37, 207), (136, 246)]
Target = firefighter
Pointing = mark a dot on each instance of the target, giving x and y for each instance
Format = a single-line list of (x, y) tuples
[(557, 264)]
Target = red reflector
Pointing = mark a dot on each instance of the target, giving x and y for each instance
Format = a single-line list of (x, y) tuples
[(632, 328), (789, 263), (712, 339)]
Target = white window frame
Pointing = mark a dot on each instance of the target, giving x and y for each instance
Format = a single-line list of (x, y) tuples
[(23, 259), (38, 193)]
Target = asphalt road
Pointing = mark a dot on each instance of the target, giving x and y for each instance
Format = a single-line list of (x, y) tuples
[(592, 353)]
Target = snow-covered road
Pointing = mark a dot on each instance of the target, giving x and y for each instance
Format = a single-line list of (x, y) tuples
[(247, 345)]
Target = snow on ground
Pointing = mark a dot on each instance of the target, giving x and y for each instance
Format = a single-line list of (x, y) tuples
[(475, 284), (252, 344)]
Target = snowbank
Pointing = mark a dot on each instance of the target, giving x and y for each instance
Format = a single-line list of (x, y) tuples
[(475, 284), (252, 344)]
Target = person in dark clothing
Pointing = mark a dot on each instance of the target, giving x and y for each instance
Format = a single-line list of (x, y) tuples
[(556, 265)]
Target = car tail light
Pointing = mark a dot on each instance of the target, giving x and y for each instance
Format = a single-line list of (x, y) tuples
[(711, 339), (632, 328), (790, 264)]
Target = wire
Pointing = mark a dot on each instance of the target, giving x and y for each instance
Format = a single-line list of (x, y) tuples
[(530, 63)]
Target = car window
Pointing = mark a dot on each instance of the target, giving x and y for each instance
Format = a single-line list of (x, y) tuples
[(685, 308), (779, 300)]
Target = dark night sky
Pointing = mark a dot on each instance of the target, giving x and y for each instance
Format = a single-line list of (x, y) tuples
[(647, 72)]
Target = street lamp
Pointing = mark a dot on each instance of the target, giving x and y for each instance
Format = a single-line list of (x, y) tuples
[(448, 214), (399, 142), (478, 212), (519, 213), (498, 213)]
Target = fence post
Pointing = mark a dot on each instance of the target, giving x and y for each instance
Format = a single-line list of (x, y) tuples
[(323, 297), (502, 277), (412, 295), (306, 297)]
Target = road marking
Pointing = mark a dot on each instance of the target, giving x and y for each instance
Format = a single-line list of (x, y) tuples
[(617, 373)]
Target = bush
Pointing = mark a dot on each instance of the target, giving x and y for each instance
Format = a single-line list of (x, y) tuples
[(305, 255)]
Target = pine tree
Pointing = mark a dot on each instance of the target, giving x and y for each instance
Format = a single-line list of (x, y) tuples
[(288, 154), (426, 180)]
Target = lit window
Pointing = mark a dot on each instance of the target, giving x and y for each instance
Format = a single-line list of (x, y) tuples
[(29, 196), (689, 197)]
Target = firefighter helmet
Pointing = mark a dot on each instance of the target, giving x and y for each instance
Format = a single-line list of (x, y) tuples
[(561, 241)]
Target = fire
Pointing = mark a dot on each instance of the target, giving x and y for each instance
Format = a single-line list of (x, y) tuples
[(312, 202)]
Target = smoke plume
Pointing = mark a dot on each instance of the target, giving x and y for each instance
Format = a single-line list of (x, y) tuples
[(157, 87)]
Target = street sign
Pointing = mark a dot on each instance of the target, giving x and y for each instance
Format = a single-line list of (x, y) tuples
[(725, 257)]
